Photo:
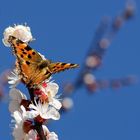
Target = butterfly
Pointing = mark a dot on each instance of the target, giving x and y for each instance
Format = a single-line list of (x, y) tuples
[(32, 67)]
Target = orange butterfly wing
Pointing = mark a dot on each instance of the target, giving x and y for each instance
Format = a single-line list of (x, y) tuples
[(31, 65), (59, 66), (27, 60), (23, 51)]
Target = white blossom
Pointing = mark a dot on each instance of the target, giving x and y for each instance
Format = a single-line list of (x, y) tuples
[(14, 78), (16, 96), (50, 135), (20, 118), (44, 110), (21, 32), (51, 90), (32, 135)]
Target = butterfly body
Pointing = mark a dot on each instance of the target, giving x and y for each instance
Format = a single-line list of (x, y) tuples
[(32, 67)]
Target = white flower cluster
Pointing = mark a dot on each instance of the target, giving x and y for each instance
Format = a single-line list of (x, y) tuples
[(19, 31), (26, 112)]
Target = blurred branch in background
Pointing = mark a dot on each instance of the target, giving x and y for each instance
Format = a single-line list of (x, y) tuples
[(103, 38)]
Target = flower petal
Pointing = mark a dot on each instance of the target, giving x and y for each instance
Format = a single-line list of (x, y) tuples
[(55, 103), (32, 135), (13, 106), (18, 133), (52, 88), (16, 94), (53, 114), (8, 31), (17, 116), (52, 136), (14, 78)]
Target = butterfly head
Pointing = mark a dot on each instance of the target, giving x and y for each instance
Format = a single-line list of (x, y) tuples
[(11, 39)]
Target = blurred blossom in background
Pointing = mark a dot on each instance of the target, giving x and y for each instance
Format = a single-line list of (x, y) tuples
[(101, 36)]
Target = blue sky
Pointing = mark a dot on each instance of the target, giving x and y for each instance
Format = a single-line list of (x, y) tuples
[(63, 30)]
